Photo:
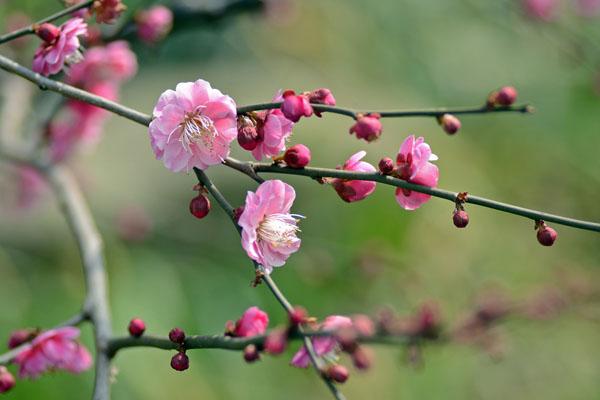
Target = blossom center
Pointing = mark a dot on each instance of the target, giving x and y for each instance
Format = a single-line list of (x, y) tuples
[(279, 229), (197, 129)]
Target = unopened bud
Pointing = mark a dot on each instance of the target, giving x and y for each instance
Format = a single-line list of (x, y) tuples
[(276, 342), (20, 336), (506, 96), (450, 124), (337, 373), (298, 315), (7, 380), (546, 235), (180, 362), (362, 358), (251, 353), (177, 335), (200, 206), (136, 327), (460, 218), (297, 156), (47, 32)]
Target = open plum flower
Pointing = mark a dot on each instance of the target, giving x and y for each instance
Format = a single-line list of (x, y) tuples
[(322, 345), (193, 126), (414, 166), (51, 56), (273, 129), (269, 231), (354, 190), (53, 349)]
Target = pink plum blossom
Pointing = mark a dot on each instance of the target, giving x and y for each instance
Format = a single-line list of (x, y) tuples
[(353, 190), (154, 23), (367, 127), (544, 10), (113, 63), (414, 166), (268, 229), (193, 126), (253, 322), (295, 106), (322, 345), (321, 96), (50, 57), (53, 349)]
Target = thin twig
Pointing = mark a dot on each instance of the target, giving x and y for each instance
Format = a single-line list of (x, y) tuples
[(30, 29), (389, 180)]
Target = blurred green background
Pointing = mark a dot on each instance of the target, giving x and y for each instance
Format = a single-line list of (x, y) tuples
[(355, 258)]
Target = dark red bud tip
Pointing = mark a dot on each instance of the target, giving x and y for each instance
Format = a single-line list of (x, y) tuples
[(200, 206), (546, 235), (450, 124), (337, 373), (248, 137), (47, 32), (7, 380), (251, 353), (136, 327), (298, 315), (460, 219), (177, 335), (506, 96), (180, 362), (297, 156), (20, 336), (386, 165)]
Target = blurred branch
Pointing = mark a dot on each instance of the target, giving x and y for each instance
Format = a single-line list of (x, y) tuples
[(30, 29), (316, 362), (75, 320), (318, 173)]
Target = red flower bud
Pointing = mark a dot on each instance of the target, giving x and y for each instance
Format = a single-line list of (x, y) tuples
[(367, 127), (276, 342), (20, 336), (362, 358), (200, 206), (450, 124), (297, 156), (248, 137), (136, 327), (298, 316), (321, 96), (47, 32), (7, 381), (546, 235), (177, 335), (460, 218), (251, 353), (337, 373), (386, 165), (180, 362), (506, 96), (295, 106)]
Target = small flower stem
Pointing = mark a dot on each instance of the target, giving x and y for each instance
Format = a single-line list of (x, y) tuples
[(435, 112), (30, 29), (388, 180)]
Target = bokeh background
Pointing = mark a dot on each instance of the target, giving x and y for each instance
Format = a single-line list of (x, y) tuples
[(355, 258)]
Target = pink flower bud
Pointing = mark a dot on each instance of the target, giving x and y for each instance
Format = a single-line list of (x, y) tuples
[(251, 353), (506, 96), (298, 316), (295, 106), (47, 32), (297, 156), (136, 327), (276, 342), (200, 206), (177, 335), (362, 358), (363, 325), (321, 96), (7, 381), (20, 336), (386, 165), (546, 235), (337, 373), (460, 218), (367, 127), (248, 137), (253, 321), (180, 362), (450, 124), (154, 23)]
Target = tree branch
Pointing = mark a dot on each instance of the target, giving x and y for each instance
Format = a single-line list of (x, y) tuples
[(30, 29), (317, 173)]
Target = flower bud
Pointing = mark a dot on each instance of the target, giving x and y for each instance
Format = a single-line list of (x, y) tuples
[(506, 96), (362, 358), (546, 235), (200, 206), (367, 127), (297, 156), (298, 316), (450, 124), (251, 353), (295, 106), (337, 373), (321, 96), (460, 218), (276, 342), (20, 336), (7, 380), (47, 32), (177, 335), (154, 23), (363, 324), (136, 327), (180, 362), (386, 165), (107, 11), (248, 137)]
